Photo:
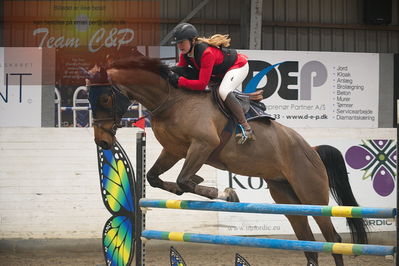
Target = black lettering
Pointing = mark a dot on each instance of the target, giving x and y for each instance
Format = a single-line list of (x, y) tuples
[(256, 178), (20, 82), (2, 96), (233, 178), (272, 77), (285, 69)]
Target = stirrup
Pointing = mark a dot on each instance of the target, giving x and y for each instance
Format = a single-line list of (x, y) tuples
[(245, 135)]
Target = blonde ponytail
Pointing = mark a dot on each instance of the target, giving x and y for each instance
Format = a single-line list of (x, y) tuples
[(218, 40)]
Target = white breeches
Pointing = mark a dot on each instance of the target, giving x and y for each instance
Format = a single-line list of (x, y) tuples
[(232, 79)]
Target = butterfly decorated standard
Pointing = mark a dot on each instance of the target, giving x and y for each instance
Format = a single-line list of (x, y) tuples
[(241, 261), (117, 191), (175, 258)]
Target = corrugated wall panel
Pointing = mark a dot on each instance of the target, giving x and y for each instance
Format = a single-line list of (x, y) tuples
[(326, 39), (324, 25), (360, 41), (319, 25), (325, 12), (21, 19), (394, 41)]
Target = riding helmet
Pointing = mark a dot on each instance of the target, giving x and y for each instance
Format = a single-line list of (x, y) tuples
[(184, 31)]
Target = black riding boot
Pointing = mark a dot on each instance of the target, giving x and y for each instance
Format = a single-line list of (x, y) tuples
[(235, 107)]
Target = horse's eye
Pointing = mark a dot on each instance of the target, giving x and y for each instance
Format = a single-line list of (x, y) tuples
[(106, 100)]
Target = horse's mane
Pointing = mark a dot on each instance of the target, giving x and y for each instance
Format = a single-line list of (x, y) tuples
[(153, 65)]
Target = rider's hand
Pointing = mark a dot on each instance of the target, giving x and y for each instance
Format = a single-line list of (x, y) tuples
[(173, 79)]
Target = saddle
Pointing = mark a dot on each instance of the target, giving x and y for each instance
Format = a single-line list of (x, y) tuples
[(251, 103)]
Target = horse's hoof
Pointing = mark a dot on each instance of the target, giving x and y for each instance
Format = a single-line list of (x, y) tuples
[(231, 195)]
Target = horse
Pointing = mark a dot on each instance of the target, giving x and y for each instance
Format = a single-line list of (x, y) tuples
[(189, 124)]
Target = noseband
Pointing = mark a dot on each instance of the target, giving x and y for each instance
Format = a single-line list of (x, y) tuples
[(115, 117)]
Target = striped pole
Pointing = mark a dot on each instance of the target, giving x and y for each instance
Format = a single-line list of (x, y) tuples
[(310, 246), (287, 209)]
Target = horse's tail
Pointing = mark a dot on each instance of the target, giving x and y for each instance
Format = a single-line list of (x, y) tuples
[(341, 189)]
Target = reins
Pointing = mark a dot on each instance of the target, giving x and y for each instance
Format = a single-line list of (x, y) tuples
[(159, 108)]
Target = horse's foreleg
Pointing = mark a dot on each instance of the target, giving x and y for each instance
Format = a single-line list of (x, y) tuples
[(197, 155), (164, 162)]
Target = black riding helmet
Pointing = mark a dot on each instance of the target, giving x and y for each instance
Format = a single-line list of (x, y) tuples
[(184, 31)]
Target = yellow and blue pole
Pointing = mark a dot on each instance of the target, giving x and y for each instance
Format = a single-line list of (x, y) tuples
[(286, 209), (309, 246)]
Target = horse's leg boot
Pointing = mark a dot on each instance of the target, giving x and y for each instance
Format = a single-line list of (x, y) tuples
[(235, 107)]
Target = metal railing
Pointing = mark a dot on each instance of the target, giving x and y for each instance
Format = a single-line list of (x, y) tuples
[(82, 104)]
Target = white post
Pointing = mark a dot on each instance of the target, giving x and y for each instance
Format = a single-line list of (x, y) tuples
[(255, 35), (58, 103)]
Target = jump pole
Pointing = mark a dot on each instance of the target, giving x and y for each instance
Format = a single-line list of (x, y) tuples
[(286, 209), (299, 245)]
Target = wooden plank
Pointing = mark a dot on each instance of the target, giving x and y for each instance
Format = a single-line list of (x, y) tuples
[(255, 35)]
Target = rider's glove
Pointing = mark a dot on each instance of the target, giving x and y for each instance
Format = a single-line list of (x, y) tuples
[(173, 79)]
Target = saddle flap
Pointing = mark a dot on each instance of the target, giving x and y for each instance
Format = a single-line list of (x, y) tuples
[(252, 107)]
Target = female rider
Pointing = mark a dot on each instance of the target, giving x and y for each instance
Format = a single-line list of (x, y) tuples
[(209, 58)]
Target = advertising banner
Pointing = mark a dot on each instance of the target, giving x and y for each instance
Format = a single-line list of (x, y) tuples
[(371, 165), (20, 87), (317, 89), (82, 33)]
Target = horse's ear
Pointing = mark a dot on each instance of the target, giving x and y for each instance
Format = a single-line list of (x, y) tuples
[(97, 75), (84, 72), (109, 59), (101, 76)]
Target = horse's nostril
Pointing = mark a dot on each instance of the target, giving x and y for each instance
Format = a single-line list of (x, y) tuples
[(104, 145)]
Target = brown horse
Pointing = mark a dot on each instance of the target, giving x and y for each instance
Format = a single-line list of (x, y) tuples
[(188, 125)]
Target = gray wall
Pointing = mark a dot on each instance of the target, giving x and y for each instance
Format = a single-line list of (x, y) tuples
[(386, 103), (303, 25)]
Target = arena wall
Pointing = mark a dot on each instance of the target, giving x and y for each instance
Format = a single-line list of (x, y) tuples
[(49, 183)]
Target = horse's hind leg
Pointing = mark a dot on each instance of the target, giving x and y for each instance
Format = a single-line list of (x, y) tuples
[(330, 235), (282, 193), (311, 187)]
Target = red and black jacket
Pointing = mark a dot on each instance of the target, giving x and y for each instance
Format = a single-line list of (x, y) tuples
[(211, 62)]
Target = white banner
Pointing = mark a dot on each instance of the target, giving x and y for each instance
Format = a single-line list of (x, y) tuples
[(317, 89), (371, 166), (20, 87)]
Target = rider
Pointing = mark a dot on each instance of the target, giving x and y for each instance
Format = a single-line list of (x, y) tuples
[(210, 59)]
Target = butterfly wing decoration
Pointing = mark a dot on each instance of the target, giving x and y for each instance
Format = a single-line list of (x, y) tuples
[(175, 258), (240, 261), (117, 183)]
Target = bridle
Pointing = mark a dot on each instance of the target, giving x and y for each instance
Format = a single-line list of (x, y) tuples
[(117, 117)]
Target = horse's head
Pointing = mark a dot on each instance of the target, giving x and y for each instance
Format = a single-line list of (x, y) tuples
[(108, 106)]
